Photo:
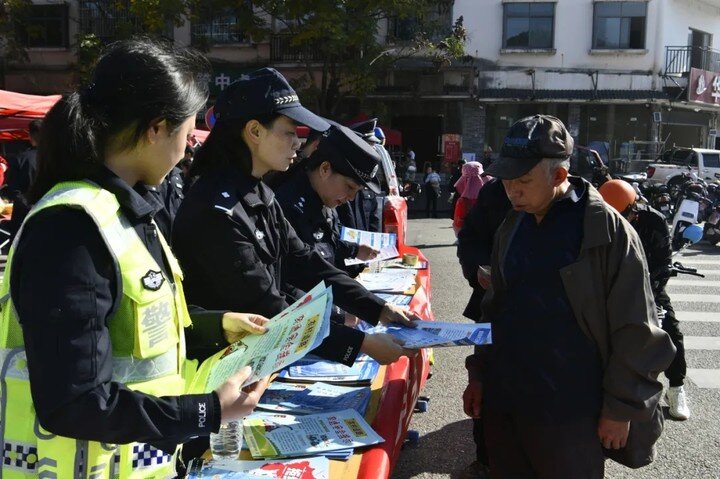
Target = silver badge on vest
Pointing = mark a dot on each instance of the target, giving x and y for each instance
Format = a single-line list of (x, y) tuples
[(318, 235), (259, 235), (152, 280)]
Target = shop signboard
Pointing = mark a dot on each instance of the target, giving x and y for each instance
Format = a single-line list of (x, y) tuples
[(451, 147), (224, 73), (704, 87)]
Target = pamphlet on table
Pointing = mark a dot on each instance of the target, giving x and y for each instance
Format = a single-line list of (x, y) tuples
[(274, 435), (396, 299), (428, 334), (305, 468), (313, 369), (388, 281), (290, 336), (314, 398)]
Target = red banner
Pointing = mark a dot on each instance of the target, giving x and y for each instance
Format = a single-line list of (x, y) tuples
[(704, 86)]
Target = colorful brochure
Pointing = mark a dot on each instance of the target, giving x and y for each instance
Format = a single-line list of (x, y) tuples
[(305, 468), (290, 336), (313, 369), (314, 398), (273, 435), (436, 334), (375, 240)]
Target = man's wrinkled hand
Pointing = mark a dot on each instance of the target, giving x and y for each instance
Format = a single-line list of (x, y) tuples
[(484, 276), (472, 399), (237, 325), (366, 253), (395, 314), (613, 434)]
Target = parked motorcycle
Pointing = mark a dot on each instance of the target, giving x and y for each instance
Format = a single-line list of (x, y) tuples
[(658, 196), (692, 207), (410, 190)]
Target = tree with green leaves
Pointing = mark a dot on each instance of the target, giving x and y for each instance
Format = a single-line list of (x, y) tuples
[(339, 42)]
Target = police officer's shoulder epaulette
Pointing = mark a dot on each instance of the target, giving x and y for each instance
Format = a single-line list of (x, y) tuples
[(225, 200)]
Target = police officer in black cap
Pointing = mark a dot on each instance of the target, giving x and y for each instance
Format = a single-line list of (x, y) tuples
[(231, 236), (340, 167)]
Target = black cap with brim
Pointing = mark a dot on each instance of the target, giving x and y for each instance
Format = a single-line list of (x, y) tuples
[(264, 92), (511, 168), (305, 117), (528, 141), (351, 156)]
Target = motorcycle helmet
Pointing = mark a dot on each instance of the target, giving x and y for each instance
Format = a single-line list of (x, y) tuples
[(619, 194)]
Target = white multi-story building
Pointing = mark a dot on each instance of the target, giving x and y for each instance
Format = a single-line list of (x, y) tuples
[(613, 70)]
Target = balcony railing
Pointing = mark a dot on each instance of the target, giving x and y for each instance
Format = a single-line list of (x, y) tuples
[(679, 60), (281, 50)]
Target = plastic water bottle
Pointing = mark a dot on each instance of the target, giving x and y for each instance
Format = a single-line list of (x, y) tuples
[(227, 441)]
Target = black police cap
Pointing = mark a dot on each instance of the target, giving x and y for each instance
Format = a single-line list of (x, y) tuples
[(264, 92), (528, 141), (350, 156)]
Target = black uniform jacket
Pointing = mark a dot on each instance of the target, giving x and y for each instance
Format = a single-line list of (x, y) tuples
[(475, 239), (239, 252), (316, 224), (65, 289), (654, 234)]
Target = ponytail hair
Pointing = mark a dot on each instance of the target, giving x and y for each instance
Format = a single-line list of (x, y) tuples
[(134, 84)]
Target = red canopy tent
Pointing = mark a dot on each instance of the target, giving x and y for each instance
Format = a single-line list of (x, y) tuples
[(17, 110)]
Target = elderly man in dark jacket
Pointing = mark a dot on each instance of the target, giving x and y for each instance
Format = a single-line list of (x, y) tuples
[(577, 346)]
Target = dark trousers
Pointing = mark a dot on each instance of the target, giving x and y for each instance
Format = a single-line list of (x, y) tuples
[(678, 368), (525, 447), (431, 198)]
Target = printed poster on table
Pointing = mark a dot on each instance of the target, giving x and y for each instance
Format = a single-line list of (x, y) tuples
[(375, 240), (290, 336), (273, 435), (305, 468)]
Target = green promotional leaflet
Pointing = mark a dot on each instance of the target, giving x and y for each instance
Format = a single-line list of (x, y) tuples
[(290, 336)]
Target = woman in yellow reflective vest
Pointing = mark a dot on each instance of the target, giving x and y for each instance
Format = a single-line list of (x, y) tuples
[(93, 368)]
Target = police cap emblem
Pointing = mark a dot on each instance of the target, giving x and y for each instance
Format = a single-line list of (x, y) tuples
[(152, 280), (318, 235)]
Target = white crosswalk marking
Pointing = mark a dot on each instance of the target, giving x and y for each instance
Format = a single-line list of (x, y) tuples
[(694, 282), (708, 343), (696, 298), (692, 262), (705, 378), (697, 316)]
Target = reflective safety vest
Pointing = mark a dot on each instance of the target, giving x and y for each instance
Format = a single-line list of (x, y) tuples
[(148, 349)]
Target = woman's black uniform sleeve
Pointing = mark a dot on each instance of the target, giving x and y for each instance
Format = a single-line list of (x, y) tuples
[(347, 293), (64, 289)]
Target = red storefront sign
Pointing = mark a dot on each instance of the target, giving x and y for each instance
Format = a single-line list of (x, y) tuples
[(704, 86), (451, 147)]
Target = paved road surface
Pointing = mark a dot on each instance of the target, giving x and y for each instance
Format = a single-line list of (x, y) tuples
[(687, 450)]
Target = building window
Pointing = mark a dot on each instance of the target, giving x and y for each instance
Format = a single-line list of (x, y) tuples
[(619, 25), (44, 26), (111, 19), (215, 27), (528, 25)]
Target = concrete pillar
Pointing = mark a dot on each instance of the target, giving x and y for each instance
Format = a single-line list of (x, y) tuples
[(473, 128), (573, 125)]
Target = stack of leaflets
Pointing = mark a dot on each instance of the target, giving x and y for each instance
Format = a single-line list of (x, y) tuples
[(290, 336), (396, 299), (313, 369), (332, 434), (397, 263), (314, 398), (305, 468), (388, 281), (428, 334)]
